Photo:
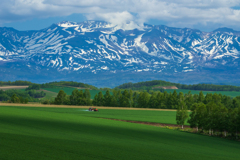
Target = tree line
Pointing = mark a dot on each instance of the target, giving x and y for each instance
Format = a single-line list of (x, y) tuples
[(143, 99), (15, 83), (149, 85), (78, 97), (67, 83), (47, 85)]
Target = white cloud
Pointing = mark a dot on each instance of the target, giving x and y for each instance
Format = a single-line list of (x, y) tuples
[(178, 13)]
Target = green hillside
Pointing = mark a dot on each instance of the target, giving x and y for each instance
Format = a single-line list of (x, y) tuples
[(33, 133)]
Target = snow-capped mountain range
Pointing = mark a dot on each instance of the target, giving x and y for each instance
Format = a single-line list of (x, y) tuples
[(96, 47)]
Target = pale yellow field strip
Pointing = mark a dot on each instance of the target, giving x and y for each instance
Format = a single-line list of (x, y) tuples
[(70, 106), (12, 87)]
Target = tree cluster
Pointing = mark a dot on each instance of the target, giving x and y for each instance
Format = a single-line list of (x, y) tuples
[(78, 97), (16, 99), (35, 94), (29, 95), (215, 117), (33, 87)]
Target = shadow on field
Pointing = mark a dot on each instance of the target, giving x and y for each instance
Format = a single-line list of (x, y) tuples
[(101, 128), (92, 138), (15, 146)]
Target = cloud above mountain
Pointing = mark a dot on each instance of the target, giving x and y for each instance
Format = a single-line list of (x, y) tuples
[(184, 13)]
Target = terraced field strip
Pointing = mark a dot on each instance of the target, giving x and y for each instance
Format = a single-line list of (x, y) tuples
[(71, 106), (185, 91), (49, 94), (12, 87)]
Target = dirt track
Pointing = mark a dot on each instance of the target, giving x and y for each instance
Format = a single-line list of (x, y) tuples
[(150, 123), (165, 87), (69, 106), (12, 87)]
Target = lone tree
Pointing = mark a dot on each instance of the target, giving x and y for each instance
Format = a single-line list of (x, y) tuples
[(182, 114), (15, 99), (61, 97)]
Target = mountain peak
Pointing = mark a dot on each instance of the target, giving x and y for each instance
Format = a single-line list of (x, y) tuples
[(67, 24), (225, 29)]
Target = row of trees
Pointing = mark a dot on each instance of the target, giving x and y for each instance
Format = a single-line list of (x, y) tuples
[(15, 83), (129, 98), (78, 97)]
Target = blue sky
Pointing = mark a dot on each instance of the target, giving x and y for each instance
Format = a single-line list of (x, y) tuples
[(205, 15)]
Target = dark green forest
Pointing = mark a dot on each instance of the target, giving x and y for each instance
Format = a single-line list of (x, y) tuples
[(19, 96)]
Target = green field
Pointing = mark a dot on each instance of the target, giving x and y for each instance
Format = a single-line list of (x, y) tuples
[(68, 90), (51, 133), (227, 93), (167, 117)]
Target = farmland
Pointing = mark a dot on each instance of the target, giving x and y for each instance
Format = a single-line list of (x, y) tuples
[(71, 133), (185, 91), (12, 87)]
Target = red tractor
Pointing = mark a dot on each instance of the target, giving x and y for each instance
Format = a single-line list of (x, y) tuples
[(93, 109)]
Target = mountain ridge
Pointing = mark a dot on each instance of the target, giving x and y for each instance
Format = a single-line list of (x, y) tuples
[(98, 47)]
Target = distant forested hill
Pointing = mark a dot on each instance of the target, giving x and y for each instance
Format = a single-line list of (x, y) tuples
[(49, 85), (15, 83), (148, 85), (68, 83)]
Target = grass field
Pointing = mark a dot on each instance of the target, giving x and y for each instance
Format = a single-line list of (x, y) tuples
[(68, 90), (49, 94), (227, 93), (167, 117), (53, 133)]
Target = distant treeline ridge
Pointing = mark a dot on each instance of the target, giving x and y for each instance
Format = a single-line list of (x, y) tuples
[(149, 85), (49, 85)]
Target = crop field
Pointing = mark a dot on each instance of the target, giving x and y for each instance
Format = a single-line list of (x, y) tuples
[(68, 90), (227, 93), (12, 87), (49, 94), (66, 133)]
